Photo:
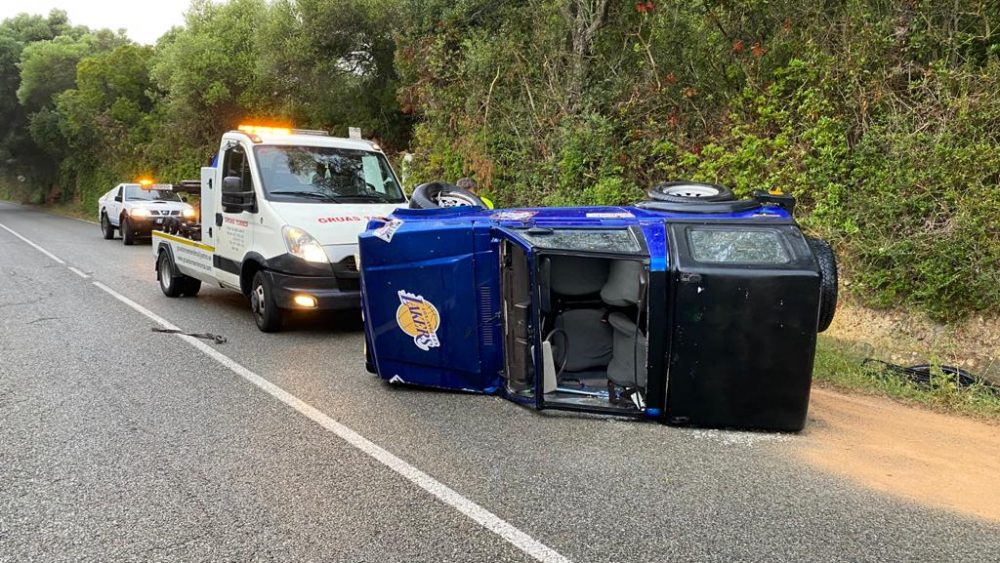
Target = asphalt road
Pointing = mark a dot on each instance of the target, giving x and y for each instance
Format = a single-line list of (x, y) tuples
[(119, 443)]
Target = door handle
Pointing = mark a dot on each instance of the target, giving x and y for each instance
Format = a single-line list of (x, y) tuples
[(218, 219)]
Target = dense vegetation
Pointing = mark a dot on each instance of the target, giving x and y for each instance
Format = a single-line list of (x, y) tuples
[(883, 117)]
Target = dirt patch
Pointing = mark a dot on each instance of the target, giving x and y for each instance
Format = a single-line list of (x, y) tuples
[(933, 459)]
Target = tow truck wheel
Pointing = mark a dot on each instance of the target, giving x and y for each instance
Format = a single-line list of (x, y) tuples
[(106, 228), (190, 286), (128, 237), (170, 284), (266, 313)]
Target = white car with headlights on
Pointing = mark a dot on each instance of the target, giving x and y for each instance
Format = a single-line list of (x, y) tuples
[(281, 212), (135, 210)]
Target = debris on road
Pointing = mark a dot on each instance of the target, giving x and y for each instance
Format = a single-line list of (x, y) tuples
[(218, 339), (923, 374)]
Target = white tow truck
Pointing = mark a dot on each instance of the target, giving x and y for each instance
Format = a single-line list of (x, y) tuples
[(281, 210)]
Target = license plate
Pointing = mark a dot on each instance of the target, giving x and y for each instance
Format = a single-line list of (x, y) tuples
[(159, 221)]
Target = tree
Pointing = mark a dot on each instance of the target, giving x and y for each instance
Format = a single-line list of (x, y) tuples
[(330, 64), (208, 68)]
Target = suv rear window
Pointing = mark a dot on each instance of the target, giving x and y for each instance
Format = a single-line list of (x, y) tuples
[(726, 246)]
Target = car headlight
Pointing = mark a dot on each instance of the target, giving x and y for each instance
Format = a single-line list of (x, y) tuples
[(301, 244), (189, 213), (139, 212)]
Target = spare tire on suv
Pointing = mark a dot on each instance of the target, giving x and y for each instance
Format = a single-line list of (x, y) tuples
[(690, 192)]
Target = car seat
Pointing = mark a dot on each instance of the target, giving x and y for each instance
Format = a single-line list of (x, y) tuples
[(575, 284), (624, 288)]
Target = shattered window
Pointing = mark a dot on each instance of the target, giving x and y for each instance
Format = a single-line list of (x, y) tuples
[(593, 240), (731, 246)]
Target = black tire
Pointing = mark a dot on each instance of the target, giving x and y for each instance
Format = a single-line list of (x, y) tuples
[(190, 286), (827, 262), (107, 229), (171, 284), (265, 310), (430, 195), (690, 192), (128, 236)]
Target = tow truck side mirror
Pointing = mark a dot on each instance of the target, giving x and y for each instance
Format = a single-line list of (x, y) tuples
[(232, 184), (234, 198), (118, 198)]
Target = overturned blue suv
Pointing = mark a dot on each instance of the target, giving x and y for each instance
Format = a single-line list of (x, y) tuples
[(691, 308)]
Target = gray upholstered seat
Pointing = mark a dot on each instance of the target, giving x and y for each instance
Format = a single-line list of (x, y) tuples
[(587, 337), (628, 359), (624, 284), (573, 276)]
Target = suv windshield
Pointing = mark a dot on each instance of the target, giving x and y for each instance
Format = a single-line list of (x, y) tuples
[(324, 175), (136, 193)]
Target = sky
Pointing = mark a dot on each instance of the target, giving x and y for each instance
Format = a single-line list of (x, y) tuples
[(144, 21)]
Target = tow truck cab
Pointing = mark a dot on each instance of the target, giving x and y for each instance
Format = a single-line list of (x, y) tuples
[(708, 320), (280, 213)]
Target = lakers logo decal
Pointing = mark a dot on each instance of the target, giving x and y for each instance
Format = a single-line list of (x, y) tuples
[(418, 318)]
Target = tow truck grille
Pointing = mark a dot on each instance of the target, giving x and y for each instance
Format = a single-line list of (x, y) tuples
[(346, 272), (349, 264)]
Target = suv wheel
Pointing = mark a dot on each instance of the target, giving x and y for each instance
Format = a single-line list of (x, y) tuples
[(107, 229), (128, 237)]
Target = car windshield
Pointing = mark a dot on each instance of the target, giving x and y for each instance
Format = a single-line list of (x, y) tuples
[(136, 193), (326, 174)]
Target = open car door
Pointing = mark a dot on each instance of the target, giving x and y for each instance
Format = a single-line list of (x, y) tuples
[(575, 304)]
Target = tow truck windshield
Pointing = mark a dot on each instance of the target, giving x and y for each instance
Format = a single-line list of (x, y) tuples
[(136, 193), (326, 175)]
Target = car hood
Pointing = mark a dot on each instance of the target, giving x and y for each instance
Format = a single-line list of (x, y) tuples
[(335, 223)]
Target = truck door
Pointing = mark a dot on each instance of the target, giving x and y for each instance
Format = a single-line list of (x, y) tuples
[(432, 321), (208, 204), (114, 208), (234, 232), (743, 335)]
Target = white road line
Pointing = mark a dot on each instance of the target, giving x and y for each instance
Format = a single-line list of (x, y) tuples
[(439, 490), (78, 272), (33, 245), (445, 494)]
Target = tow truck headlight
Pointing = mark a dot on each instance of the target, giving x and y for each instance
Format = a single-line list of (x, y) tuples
[(189, 213), (301, 244), (139, 212)]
